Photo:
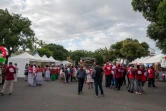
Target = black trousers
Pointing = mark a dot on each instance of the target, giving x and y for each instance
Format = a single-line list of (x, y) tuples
[(98, 84), (124, 79), (71, 78), (80, 84), (107, 80), (118, 83), (151, 82), (67, 78), (128, 82)]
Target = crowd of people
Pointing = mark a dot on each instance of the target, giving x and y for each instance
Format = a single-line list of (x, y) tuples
[(34, 74), (115, 76)]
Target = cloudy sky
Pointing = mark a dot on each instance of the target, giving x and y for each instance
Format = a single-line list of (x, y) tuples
[(82, 24)]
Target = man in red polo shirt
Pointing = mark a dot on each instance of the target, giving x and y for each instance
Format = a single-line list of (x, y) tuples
[(151, 75), (131, 80), (9, 78), (107, 70), (118, 77), (139, 73)]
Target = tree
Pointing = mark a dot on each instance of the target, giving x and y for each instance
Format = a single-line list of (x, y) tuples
[(145, 45), (58, 51), (77, 55), (99, 58), (44, 51), (154, 11), (15, 31), (107, 54), (115, 49), (132, 49), (129, 49)]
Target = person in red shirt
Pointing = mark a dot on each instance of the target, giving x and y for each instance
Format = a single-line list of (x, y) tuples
[(139, 74), (107, 70), (131, 79), (53, 72), (143, 78), (9, 78), (118, 77), (151, 75), (57, 70)]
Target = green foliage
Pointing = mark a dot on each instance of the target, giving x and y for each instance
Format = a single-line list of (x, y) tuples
[(78, 54), (155, 12), (115, 49), (129, 49), (99, 58), (132, 49), (57, 51), (44, 51), (15, 30)]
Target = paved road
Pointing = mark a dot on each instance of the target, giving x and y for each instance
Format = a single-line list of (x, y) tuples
[(55, 96)]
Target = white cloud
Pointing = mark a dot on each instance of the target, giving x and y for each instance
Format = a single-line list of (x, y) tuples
[(82, 24)]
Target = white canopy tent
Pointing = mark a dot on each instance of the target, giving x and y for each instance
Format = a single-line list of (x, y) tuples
[(52, 59), (21, 61), (37, 56), (58, 62), (44, 58), (154, 59), (148, 59), (135, 61), (66, 63), (141, 60)]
